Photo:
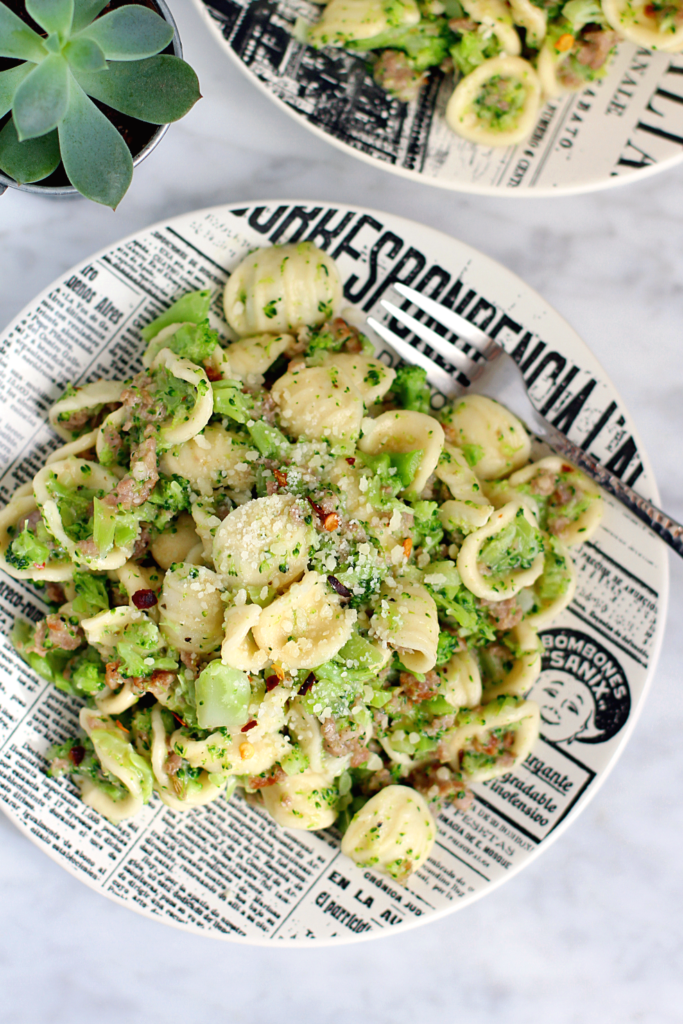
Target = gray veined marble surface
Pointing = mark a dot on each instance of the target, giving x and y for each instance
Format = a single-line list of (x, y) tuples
[(592, 931)]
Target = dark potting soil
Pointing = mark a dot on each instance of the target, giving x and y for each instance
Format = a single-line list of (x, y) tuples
[(136, 134)]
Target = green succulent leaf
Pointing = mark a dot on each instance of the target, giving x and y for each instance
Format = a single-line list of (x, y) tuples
[(130, 33), (52, 15), (157, 90), (28, 161), (96, 159), (9, 83), (84, 12), (41, 100), (17, 39), (85, 55)]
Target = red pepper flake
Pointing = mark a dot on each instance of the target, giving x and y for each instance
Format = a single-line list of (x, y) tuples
[(308, 683), (279, 672), (271, 683), (179, 719), (212, 373), (331, 522), (144, 599), (407, 547), (567, 469), (76, 755), (351, 462), (316, 508), (249, 725), (280, 477), (122, 727)]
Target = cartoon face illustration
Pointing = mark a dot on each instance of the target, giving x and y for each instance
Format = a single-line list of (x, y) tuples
[(567, 706)]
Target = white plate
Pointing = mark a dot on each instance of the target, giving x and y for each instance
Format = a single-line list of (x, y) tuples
[(628, 125), (227, 869)]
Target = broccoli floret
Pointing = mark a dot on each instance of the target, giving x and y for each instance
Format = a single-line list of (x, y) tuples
[(26, 551), (171, 494), (446, 647), (230, 400), (472, 49), (410, 389), (86, 673), (191, 308), (425, 43), (515, 547), (91, 594), (194, 341)]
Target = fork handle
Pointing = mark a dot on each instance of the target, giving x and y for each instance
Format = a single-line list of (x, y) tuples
[(668, 529)]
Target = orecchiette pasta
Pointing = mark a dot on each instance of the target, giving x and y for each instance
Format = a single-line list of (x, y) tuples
[(121, 761), (565, 501), (305, 801), (469, 510), (70, 414), (44, 561), (253, 356), (515, 722), (214, 458), (394, 833), (320, 403), (496, 16), (264, 542), (239, 649), (281, 288), (371, 377), (653, 26), (291, 589), (192, 609), (180, 544), (461, 680), (497, 104), (407, 620), (195, 420), (492, 439), (406, 431), (347, 20), (304, 627), (518, 564)]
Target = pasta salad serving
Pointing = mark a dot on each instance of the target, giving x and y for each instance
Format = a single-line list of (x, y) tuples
[(506, 56), (273, 566)]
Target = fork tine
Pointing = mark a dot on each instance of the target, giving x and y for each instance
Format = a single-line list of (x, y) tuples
[(450, 353), (450, 319), (436, 376)]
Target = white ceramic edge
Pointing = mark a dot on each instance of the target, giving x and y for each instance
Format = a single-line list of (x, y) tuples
[(633, 716), (402, 172)]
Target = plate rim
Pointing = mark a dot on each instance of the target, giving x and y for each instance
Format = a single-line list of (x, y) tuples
[(543, 192), (627, 731)]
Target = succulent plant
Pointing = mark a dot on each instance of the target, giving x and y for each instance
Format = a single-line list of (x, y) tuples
[(115, 59)]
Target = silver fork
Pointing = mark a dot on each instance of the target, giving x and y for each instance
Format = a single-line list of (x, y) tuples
[(497, 375)]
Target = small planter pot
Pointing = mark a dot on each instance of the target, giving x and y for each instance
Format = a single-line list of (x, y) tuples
[(60, 187)]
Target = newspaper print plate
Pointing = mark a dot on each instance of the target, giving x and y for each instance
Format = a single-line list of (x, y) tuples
[(628, 125), (226, 869)]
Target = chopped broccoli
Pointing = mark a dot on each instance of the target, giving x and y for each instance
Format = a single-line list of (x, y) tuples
[(425, 43), (91, 594), (193, 341), (26, 551), (171, 494), (515, 547), (190, 308), (446, 647), (410, 389), (86, 673), (472, 49), (230, 400)]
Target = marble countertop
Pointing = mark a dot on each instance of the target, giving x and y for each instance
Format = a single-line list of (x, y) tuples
[(590, 931)]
